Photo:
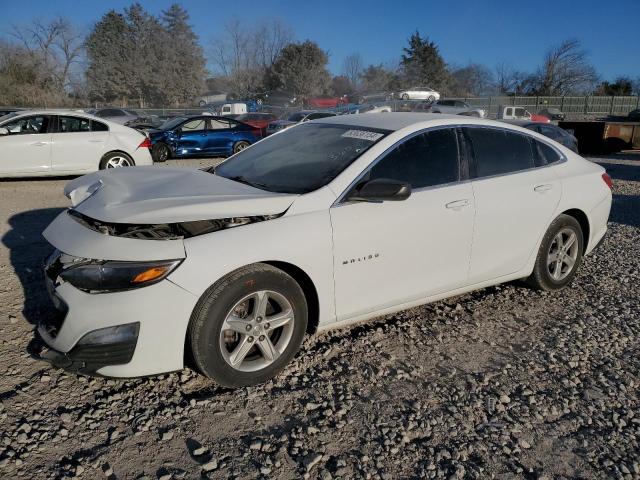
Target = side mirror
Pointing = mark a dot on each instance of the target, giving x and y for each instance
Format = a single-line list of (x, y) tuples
[(380, 190), (4, 131)]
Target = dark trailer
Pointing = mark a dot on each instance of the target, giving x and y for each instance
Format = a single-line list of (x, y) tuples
[(603, 136)]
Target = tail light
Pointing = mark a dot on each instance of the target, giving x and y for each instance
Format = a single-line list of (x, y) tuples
[(146, 143), (607, 180)]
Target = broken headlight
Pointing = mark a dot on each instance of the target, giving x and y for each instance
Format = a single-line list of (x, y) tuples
[(109, 276)]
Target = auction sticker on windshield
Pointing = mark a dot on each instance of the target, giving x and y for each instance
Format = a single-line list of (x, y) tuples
[(363, 135)]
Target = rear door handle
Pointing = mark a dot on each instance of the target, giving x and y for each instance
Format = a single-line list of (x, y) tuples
[(543, 188), (40, 144), (96, 141), (457, 204)]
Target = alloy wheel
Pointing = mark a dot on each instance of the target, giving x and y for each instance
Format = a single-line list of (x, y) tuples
[(256, 331), (563, 254), (118, 161)]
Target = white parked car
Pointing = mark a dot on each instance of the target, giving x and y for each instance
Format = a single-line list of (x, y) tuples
[(327, 223), (419, 93), (48, 142)]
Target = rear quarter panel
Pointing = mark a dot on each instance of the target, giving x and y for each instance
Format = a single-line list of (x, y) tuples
[(584, 189)]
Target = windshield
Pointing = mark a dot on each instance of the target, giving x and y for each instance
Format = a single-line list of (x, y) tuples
[(172, 123), (8, 116), (300, 159)]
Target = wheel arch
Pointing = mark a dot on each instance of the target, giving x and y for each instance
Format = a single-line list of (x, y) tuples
[(298, 274), (308, 288), (583, 220)]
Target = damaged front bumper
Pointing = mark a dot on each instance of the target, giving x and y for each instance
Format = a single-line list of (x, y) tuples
[(88, 334), (88, 359)]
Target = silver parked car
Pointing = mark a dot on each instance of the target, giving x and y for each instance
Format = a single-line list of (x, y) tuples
[(118, 115), (457, 107)]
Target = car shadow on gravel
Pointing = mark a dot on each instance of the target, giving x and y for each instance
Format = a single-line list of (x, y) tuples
[(623, 171), (27, 251), (626, 210)]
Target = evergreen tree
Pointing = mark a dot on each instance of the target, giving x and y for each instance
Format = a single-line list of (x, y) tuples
[(422, 64)]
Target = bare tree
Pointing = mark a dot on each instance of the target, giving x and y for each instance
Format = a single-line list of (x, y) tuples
[(57, 43), (270, 38), (474, 79), (566, 70), (244, 53), (352, 68)]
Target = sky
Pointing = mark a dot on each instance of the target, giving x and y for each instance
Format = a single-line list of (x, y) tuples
[(486, 32)]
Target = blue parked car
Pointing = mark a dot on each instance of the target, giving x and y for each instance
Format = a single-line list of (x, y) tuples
[(201, 136)]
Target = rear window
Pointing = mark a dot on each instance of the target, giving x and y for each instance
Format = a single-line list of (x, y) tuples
[(497, 152), (545, 154)]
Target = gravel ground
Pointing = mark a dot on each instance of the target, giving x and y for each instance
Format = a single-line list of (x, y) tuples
[(502, 383)]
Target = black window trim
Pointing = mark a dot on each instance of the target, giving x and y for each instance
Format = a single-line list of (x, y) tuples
[(472, 161), (463, 167)]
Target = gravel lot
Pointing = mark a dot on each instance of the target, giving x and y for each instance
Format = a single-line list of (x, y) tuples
[(501, 383)]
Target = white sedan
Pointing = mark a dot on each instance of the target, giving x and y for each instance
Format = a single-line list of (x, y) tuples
[(419, 93), (330, 222), (48, 142)]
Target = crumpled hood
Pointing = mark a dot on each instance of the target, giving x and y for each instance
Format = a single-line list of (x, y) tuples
[(148, 195)]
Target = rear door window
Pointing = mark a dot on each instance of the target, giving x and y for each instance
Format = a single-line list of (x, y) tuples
[(498, 152), (425, 160), (99, 126), (546, 154), (195, 125), (73, 124)]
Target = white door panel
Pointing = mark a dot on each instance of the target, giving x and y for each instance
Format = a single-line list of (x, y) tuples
[(512, 214), (77, 151), (27, 153), (392, 252)]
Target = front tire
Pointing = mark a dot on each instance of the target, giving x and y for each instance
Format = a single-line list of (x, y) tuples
[(559, 256), (431, 98), (248, 326), (405, 96), (116, 160)]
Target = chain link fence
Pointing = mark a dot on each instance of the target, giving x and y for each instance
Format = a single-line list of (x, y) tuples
[(572, 106)]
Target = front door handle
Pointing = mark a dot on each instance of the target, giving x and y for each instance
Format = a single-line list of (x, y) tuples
[(457, 204), (96, 141), (40, 144), (543, 188)]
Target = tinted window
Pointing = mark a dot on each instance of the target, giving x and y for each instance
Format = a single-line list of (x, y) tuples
[(300, 159), (27, 125), (425, 160), (73, 124), (546, 154), (98, 126), (497, 151), (109, 112)]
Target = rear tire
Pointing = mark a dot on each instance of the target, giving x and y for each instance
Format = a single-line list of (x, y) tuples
[(232, 329), (405, 96), (116, 160), (239, 146), (161, 152), (559, 256), (431, 98)]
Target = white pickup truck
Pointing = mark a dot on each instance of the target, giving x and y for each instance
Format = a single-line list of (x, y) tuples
[(513, 113)]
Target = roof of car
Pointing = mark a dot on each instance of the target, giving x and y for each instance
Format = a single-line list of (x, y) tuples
[(388, 120)]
